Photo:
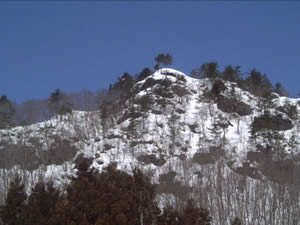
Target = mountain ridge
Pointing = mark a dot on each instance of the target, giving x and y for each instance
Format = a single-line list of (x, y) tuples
[(169, 122)]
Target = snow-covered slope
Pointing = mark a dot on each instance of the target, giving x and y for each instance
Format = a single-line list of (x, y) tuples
[(170, 122)]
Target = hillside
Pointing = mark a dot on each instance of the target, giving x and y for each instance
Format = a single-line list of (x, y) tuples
[(208, 138)]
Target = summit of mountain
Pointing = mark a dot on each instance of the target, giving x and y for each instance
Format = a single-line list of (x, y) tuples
[(178, 129)]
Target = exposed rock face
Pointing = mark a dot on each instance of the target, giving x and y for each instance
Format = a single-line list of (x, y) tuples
[(231, 105), (218, 87), (150, 82), (32, 157), (290, 111), (147, 159), (180, 91), (128, 115), (214, 154), (168, 184), (80, 159), (247, 170), (272, 123), (16, 154), (59, 152), (279, 171)]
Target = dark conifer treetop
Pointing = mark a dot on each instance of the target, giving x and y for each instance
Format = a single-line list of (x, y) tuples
[(12, 213), (165, 59)]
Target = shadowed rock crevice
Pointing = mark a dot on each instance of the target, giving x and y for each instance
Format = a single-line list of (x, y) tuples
[(285, 171), (31, 157), (271, 122), (214, 154), (231, 105), (147, 159)]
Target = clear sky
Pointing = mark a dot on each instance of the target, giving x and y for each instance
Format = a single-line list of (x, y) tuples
[(87, 45)]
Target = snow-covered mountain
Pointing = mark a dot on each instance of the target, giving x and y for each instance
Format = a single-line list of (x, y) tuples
[(193, 136)]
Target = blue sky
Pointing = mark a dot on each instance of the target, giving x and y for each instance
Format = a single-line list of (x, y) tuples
[(87, 45)]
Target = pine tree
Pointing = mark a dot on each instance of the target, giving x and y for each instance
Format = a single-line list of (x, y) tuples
[(231, 74), (193, 215), (125, 82), (165, 59), (258, 84), (156, 66), (41, 203), (77, 206), (121, 89), (58, 103), (207, 70), (7, 111), (109, 198), (279, 89), (169, 217), (147, 208), (12, 213), (145, 73)]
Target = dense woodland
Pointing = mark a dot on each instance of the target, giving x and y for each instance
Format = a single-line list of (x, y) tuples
[(107, 198)]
